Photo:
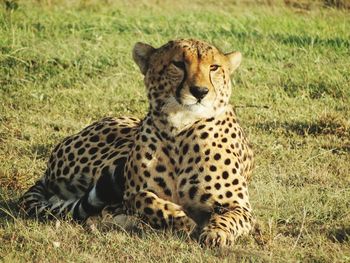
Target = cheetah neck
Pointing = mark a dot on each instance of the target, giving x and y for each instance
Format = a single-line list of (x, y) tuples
[(173, 121)]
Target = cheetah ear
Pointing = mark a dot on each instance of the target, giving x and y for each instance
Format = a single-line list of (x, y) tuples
[(141, 54), (234, 59)]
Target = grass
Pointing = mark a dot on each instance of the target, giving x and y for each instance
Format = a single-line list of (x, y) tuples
[(64, 64)]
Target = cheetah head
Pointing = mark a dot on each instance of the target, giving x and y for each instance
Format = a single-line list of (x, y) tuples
[(186, 79)]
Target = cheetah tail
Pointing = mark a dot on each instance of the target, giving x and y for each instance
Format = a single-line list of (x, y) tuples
[(38, 202)]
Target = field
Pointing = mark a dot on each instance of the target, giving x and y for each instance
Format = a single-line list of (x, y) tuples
[(64, 64)]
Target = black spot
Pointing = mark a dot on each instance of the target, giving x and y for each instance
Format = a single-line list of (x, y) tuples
[(183, 182), (98, 127), (228, 194), (104, 150), (94, 138), (81, 151), (217, 156), (68, 141), (148, 156), (152, 146), (165, 151), (192, 192), (194, 177), (227, 161), (138, 204), (148, 200), (205, 197), (107, 130), (225, 175), (223, 224), (78, 144), (204, 135), (93, 150), (160, 168), (160, 181), (84, 160), (125, 130), (207, 178), (120, 142), (212, 168), (185, 149), (85, 133), (97, 162), (196, 148), (217, 186), (160, 214), (112, 155), (66, 170), (67, 150), (70, 157), (60, 153), (148, 211), (110, 138), (240, 195), (235, 181), (167, 192), (189, 133), (188, 169)]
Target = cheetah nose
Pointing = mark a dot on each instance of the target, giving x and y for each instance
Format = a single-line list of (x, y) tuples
[(199, 92)]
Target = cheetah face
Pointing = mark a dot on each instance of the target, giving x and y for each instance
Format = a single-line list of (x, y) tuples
[(186, 79)]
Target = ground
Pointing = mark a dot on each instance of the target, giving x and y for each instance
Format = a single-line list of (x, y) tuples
[(65, 64)]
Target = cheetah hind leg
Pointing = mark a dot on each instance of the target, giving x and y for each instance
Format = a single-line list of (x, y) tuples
[(224, 227), (160, 213)]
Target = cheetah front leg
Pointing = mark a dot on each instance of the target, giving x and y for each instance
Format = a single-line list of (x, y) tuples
[(160, 213), (225, 226)]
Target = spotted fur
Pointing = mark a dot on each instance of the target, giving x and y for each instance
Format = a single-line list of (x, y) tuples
[(185, 164)]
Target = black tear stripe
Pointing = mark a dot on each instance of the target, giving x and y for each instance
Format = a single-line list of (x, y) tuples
[(181, 86)]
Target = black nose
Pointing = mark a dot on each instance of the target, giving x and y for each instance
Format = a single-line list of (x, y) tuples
[(199, 92)]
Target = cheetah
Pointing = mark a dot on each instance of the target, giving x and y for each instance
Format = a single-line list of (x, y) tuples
[(186, 163)]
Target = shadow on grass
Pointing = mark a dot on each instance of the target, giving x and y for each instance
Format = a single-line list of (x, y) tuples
[(9, 209), (316, 128), (340, 235), (41, 151), (289, 39), (302, 41)]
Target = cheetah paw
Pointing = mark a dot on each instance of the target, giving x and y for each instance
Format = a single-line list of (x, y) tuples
[(216, 237)]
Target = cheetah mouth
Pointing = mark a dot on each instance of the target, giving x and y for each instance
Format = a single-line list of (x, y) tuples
[(181, 102)]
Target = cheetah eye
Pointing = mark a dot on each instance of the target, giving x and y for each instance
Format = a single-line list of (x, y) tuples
[(214, 67), (179, 64)]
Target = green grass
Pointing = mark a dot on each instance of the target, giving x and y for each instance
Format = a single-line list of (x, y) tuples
[(64, 64)]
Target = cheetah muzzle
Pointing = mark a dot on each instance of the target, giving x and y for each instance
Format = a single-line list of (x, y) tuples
[(185, 164)]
